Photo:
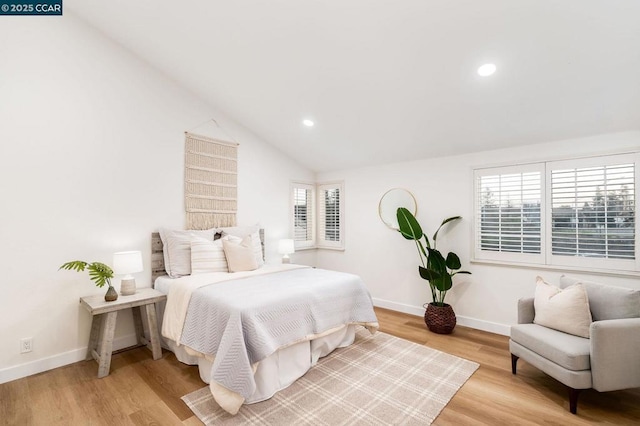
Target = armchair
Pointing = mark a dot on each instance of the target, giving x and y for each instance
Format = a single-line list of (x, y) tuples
[(608, 360)]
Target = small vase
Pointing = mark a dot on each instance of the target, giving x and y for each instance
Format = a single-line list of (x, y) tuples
[(111, 295), (440, 319)]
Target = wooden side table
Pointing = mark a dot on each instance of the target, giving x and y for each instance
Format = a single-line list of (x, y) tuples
[(103, 324)]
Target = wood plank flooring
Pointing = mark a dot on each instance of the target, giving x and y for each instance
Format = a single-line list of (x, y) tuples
[(140, 391)]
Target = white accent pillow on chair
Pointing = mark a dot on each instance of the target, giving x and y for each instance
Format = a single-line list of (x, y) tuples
[(565, 310)]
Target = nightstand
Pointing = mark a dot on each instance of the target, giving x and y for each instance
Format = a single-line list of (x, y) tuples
[(103, 324)]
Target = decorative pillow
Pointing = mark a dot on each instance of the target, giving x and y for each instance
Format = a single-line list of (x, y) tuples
[(608, 302), (240, 256), (177, 249), (243, 231), (207, 256), (565, 310)]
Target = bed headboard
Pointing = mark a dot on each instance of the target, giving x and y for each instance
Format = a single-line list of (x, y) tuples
[(157, 255)]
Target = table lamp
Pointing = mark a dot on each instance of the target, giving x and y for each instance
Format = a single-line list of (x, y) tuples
[(286, 247), (127, 263)]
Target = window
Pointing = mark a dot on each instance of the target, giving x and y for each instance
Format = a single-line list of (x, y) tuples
[(577, 213), (330, 203), (593, 206), (508, 211), (303, 215), (327, 231)]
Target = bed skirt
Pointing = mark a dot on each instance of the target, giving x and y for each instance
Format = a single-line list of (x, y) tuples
[(274, 373)]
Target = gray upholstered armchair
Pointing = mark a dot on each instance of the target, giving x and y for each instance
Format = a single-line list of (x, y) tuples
[(609, 360)]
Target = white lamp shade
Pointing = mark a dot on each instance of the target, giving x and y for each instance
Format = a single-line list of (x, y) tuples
[(286, 247), (127, 262)]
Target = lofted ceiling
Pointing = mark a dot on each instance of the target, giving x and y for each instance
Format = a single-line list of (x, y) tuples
[(393, 80)]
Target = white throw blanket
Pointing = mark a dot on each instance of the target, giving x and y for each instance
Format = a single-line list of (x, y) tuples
[(181, 289)]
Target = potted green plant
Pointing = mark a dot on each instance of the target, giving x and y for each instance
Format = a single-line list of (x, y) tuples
[(434, 268), (99, 273)]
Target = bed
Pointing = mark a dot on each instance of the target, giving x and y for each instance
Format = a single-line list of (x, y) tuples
[(254, 332)]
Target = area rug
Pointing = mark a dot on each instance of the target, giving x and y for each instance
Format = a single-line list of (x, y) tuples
[(379, 380)]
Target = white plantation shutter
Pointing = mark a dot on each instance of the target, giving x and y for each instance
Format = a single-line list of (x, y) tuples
[(573, 213), (303, 215), (593, 206), (330, 202), (318, 215), (508, 213)]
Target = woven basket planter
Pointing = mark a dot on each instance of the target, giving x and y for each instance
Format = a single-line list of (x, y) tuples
[(440, 319)]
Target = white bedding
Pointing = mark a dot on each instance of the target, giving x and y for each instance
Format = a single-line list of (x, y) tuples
[(181, 289), (273, 373)]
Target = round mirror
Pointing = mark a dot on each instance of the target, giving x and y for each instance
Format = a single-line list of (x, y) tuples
[(389, 203)]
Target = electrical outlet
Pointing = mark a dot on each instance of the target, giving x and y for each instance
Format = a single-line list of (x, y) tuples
[(26, 345)]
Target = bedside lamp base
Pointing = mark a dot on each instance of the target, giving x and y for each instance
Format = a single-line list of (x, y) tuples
[(128, 287)]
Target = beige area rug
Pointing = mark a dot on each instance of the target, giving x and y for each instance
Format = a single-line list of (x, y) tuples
[(379, 380)]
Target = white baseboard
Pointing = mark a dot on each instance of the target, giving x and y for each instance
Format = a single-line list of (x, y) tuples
[(400, 307), (49, 363), (489, 326)]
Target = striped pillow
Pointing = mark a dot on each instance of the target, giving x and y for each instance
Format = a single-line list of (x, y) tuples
[(207, 256), (177, 249)]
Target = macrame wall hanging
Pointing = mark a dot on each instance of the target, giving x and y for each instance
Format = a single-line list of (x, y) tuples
[(211, 182)]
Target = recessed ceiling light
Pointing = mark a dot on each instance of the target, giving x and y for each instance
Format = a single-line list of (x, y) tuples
[(486, 70), (308, 123)]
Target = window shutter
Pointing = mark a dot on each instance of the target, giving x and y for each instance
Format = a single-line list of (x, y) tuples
[(330, 214), (508, 217), (593, 211), (303, 215), (576, 213), (318, 222)]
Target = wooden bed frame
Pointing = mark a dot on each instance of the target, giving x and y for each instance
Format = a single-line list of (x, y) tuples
[(157, 255)]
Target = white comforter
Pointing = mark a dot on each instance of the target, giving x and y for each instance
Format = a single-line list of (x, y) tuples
[(181, 289)]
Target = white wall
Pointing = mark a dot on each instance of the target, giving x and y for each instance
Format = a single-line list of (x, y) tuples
[(91, 162), (443, 188)]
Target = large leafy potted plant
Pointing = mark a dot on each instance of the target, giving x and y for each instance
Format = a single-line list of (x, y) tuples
[(434, 268), (99, 273)]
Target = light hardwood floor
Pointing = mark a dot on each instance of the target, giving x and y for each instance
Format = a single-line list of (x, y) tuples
[(140, 391)]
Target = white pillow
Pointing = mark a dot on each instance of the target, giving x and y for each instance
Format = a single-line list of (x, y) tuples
[(243, 231), (565, 310), (207, 256), (239, 231), (240, 256), (177, 249)]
